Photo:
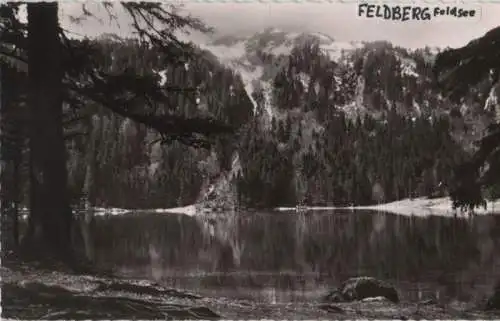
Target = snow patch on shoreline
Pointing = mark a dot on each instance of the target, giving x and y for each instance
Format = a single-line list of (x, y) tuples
[(425, 207), (100, 211), (410, 207), (407, 207), (189, 210)]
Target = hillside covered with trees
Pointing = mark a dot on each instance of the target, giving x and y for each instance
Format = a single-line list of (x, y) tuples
[(369, 127)]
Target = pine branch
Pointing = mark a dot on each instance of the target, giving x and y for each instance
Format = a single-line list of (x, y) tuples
[(191, 131), (12, 38), (128, 94)]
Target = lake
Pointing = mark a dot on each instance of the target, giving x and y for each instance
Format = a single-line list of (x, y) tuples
[(296, 257)]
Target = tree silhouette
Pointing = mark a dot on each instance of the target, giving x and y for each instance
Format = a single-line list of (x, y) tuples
[(61, 70), (456, 71)]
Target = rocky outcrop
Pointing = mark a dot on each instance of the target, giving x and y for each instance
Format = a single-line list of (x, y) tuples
[(360, 288), (221, 194)]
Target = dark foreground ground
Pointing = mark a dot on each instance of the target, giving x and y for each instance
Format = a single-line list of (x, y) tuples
[(35, 293)]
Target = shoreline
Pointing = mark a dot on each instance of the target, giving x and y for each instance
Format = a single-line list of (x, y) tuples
[(410, 207), (59, 294), (407, 207)]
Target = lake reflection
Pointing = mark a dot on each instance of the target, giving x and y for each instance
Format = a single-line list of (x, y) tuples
[(287, 257)]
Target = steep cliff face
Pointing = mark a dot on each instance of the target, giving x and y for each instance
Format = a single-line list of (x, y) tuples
[(220, 193)]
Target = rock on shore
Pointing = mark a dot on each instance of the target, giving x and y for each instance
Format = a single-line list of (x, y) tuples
[(359, 288)]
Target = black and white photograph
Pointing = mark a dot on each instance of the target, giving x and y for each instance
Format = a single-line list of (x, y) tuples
[(246, 159)]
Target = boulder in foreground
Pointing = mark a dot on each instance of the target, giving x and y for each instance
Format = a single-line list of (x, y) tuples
[(359, 288)]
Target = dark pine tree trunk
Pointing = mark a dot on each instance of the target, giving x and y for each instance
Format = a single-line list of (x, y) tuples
[(5, 168), (11, 157), (50, 212)]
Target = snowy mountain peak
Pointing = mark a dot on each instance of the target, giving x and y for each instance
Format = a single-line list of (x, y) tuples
[(272, 41), (369, 77), (243, 54)]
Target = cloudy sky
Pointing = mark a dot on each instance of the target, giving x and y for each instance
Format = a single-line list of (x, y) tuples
[(338, 20)]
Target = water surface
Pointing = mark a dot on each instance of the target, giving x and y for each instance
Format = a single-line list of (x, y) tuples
[(289, 257)]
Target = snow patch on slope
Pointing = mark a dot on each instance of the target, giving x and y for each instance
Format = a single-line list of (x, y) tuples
[(492, 103), (226, 54), (304, 79), (267, 91), (323, 38), (335, 50), (249, 77), (409, 67), (283, 49), (163, 77)]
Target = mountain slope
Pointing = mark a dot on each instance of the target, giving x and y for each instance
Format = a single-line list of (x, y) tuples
[(300, 83), (319, 122)]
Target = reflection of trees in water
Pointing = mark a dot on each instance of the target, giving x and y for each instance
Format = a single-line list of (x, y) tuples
[(155, 262), (172, 242), (127, 240), (333, 246), (477, 275), (301, 232), (224, 229)]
